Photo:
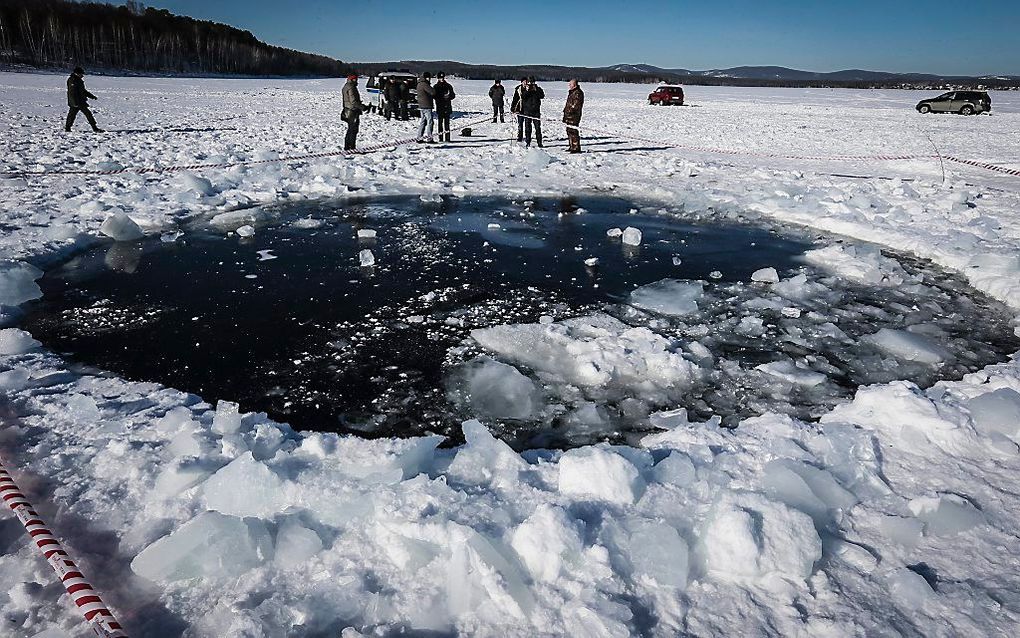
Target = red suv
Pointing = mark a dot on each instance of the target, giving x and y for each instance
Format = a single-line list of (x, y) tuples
[(666, 95)]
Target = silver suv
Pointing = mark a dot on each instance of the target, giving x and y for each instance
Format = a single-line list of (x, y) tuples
[(962, 102)]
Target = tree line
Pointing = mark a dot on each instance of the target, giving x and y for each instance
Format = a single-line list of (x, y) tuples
[(59, 33)]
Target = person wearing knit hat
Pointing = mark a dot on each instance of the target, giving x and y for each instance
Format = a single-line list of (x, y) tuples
[(78, 100)]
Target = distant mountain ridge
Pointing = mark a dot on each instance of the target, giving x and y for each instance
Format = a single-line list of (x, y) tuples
[(736, 76), (785, 73)]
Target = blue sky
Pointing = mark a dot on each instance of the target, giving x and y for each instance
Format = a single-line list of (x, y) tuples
[(932, 36)]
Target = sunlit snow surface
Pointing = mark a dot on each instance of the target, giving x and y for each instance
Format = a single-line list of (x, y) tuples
[(895, 513)]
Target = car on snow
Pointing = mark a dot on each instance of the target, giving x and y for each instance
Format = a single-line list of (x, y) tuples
[(962, 102), (667, 95), (376, 99)]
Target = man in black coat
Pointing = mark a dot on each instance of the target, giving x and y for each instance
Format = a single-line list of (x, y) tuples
[(531, 109), (405, 99), (444, 105), (515, 107), (392, 96), (496, 94), (78, 100)]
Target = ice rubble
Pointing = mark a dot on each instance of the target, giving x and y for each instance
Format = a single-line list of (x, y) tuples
[(15, 341), (598, 354)]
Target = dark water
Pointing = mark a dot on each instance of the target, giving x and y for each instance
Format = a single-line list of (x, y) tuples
[(307, 335)]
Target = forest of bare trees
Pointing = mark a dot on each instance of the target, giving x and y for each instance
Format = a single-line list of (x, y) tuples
[(62, 34)]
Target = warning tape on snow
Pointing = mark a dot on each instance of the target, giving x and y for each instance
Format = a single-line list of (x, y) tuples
[(84, 595), (734, 152), (148, 170)]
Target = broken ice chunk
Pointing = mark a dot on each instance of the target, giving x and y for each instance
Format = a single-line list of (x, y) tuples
[(632, 236), (677, 261), (668, 297), (493, 226), (499, 390), (211, 545), (120, 227), (613, 233), (246, 231), (766, 276), (227, 419), (909, 346), (17, 283), (591, 262), (599, 474), (266, 255), (15, 341), (946, 514), (788, 371), (366, 234), (295, 544), (366, 258)]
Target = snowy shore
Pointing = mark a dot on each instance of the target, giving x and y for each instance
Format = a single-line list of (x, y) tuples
[(895, 515)]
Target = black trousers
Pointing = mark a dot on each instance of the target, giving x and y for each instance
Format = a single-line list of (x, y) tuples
[(528, 124), (389, 109), (351, 139), (520, 128), (443, 123), (497, 110), (404, 115), (72, 113)]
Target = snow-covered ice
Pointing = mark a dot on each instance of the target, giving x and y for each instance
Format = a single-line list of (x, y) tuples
[(895, 514)]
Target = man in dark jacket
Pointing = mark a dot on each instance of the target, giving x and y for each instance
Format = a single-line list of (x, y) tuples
[(78, 100), (392, 98), (444, 105), (515, 107), (352, 111), (427, 105), (496, 94), (531, 109), (572, 116), (405, 100)]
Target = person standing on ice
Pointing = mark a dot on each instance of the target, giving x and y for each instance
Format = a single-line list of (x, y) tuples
[(572, 116), (515, 107), (444, 105), (352, 111), (405, 99), (531, 109), (78, 100), (497, 94), (426, 104), (392, 109)]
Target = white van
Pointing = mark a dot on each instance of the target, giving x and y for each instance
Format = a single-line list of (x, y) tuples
[(376, 99)]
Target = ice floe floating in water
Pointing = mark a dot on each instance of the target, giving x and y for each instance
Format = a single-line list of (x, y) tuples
[(465, 309)]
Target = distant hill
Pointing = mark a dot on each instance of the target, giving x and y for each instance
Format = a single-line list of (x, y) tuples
[(737, 76), (784, 74), (62, 34)]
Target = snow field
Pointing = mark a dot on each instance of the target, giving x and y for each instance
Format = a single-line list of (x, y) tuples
[(894, 515)]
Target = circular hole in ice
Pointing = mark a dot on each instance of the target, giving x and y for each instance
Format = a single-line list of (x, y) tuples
[(399, 317)]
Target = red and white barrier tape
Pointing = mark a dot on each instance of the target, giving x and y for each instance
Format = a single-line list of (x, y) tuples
[(145, 170), (832, 158), (84, 595)]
